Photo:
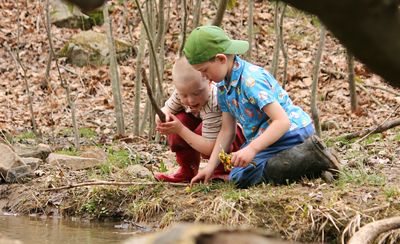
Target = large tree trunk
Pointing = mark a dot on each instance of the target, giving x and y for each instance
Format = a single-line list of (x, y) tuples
[(369, 28)]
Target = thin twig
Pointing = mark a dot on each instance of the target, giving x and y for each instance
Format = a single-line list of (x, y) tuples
[(369, 94), (112, 183), (377, 127), (384, 89)]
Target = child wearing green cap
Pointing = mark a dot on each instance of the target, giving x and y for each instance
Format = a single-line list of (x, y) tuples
[(193, 122), (249, 95)]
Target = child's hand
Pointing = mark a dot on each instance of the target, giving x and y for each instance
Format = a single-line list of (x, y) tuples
[(173, 126), (167, 116), (203, 175), (243, 157)]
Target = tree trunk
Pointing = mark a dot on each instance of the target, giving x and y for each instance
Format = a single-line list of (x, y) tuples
[(275, 57), (138, 81), (314, 91), (197, 14), (63, 83), (352, 83), (114, 75), (282, 46), (250, 30), (182, 35), (220, 12)]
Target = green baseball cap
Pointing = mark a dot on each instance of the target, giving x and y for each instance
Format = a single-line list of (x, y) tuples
[(207, 41)]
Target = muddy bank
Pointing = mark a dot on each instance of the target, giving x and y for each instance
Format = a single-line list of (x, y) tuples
[(310, 210)]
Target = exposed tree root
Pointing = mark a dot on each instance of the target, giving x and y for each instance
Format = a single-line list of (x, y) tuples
[(369, 232)]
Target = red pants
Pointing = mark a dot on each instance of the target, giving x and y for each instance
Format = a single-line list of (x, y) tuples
[(185, 154)]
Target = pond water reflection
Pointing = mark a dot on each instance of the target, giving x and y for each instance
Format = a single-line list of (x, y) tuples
[(33, 230)]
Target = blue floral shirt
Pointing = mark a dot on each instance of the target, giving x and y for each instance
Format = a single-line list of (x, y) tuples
[(249, 90)]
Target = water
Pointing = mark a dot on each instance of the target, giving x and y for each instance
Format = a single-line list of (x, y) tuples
[(33, 230)]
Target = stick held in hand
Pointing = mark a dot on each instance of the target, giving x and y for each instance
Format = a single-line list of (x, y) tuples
[(153, 102)]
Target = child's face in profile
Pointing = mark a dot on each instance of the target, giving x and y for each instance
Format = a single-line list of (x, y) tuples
[(215, 70), (194, 93)]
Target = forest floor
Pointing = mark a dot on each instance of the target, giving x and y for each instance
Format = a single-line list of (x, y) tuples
[(310, 210)]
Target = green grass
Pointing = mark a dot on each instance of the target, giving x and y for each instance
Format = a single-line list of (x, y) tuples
[(373, 138), (330, 142), (397, 137), (119, 158), (162, 167), (206, 188), (360, 176), (391, 192), (235, 195), (25, 136), (87, 133)]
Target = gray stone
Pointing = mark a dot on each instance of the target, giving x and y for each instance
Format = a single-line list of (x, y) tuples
[(67, 15), (12, 166), (18, 172), (138, 171), (73, 162), (35, 151), (91, 48), (32, 162), (98, 153)]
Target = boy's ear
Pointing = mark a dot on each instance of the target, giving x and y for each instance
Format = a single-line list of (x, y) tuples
[(221, 57)]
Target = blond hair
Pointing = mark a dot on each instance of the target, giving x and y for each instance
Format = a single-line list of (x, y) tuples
[(184, 72)]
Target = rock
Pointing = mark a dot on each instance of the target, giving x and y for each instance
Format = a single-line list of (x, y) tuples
[(138, 171), (98, 153), (38, 151), (66, 15), (329, 125), (91, 48), (12, 166), (207, 234), (73, 162), (32, 162)]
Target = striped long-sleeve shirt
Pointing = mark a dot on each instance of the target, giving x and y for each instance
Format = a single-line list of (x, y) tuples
[(210, 114)]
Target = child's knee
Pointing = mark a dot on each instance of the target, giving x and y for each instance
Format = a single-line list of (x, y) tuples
[(176, 143)]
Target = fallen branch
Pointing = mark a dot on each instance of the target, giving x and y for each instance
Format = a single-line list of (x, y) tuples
[(385, 125), (112, 183), (384, 89), (369, 232), (160, 113)]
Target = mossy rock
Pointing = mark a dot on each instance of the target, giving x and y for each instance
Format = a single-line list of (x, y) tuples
[(67, 15), (91, 48)]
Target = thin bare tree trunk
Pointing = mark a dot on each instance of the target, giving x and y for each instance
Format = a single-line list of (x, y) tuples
[(151, 20), (114, 74), (282, 46), (18, 62), (152, 47), (182, 36), (275, 57), (352, 83), (145, 117), (197, 14), (138, 82), (314, 90), (63, 83), (250, 33), (220, 12)]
